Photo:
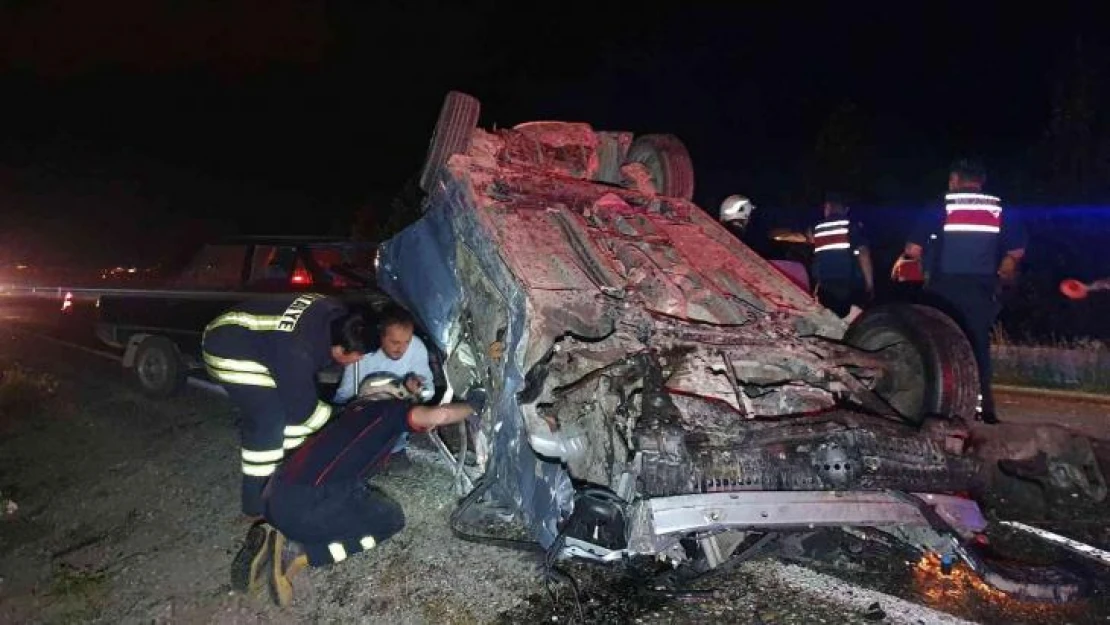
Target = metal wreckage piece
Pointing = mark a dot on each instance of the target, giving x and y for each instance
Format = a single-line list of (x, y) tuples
[(655, 382)]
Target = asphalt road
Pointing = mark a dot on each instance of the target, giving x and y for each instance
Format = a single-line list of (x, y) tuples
[(852, 584)]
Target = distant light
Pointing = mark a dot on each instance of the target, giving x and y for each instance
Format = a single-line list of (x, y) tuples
[(21, 267), (131, 270)]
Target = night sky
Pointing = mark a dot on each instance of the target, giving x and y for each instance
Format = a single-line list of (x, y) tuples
[(125, 116)]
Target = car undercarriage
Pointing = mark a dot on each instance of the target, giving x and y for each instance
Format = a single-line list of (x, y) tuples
[(653, 383)]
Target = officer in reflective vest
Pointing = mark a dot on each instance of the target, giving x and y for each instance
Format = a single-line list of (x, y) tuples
[(266, 354), (969, 248), (842, 272)]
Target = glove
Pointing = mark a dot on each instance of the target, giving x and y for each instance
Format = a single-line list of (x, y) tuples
[(476, 398), (412, 383)]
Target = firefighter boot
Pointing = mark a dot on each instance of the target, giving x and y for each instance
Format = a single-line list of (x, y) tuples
[(287, 560), (249, 566)]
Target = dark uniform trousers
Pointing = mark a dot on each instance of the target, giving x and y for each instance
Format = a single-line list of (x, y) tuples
[(971, 301), (840, 295), (321, 497), (265, 355)]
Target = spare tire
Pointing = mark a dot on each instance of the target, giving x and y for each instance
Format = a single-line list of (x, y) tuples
[(933, 370), (668, 161), (457, 119)]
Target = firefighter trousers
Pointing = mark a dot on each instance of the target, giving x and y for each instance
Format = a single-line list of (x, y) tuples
[(333, 521), (971, 301), (266, 430)]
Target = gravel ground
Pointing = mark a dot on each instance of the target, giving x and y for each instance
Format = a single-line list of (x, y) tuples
[(128, 513)]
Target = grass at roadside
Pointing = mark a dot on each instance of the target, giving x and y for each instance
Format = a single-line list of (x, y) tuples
[(1076, 365), (23, 390)]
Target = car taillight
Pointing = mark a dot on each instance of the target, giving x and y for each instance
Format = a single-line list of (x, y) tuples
[(301, 276)]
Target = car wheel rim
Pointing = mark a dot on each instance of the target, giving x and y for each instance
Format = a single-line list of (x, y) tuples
[(904, 389), (154, 369)]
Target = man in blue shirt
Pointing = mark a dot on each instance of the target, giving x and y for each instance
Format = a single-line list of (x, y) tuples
[(402, 354), (842, 270), (967, 250)]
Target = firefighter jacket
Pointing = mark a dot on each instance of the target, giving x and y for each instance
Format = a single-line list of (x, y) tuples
[(267, 354)]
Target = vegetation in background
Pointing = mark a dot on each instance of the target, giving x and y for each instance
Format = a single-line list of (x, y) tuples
[(1071, 364), (23, 391)]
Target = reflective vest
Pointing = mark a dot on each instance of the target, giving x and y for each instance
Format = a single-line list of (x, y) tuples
[(972, 224), (830, 236), (833, 257)]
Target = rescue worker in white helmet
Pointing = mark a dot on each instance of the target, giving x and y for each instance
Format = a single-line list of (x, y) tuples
[(843, 275), (969, 249), (736, 213)]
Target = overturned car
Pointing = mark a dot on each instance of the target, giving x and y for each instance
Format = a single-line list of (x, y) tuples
[(654, 384)]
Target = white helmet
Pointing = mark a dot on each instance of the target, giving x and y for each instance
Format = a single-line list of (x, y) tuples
[(736, 208), (382, 385)]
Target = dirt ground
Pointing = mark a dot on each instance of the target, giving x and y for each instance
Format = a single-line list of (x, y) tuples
[(128, 513), (125, 510)]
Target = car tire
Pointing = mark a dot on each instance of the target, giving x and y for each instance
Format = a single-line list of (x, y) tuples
[(937, 374), (668, 161), (158, 370), (457, 119), (610, 157)]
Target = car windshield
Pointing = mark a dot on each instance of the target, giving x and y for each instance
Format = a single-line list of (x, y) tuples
[(347, 265)]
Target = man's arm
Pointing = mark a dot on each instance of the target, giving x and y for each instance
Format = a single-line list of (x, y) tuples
[(423, 418), (867, 269), (1014, 240), (919, 236), (863, 256), (347, 385), (422, 368)]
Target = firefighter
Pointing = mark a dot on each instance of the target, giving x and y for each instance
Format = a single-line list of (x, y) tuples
[(320, 506), (842, 272), (962, 247), (266, 355), (736, 213)]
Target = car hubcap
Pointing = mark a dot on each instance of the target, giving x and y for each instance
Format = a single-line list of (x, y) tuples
[(154, 369)]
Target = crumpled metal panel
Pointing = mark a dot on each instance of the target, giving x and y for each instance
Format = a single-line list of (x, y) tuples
[(419, 268), (568, 256), (671, 252)]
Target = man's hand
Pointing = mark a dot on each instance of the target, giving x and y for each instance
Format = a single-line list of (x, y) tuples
[(476, 398), (1007, 270), (906, 269), (413, 383), (496, 350)]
